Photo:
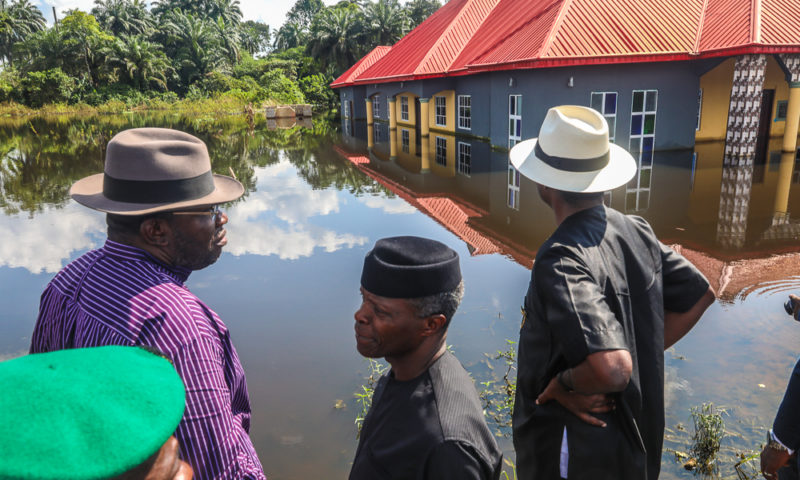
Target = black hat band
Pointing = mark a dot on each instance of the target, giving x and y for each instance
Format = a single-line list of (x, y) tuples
[(158, 191), (573, 164)]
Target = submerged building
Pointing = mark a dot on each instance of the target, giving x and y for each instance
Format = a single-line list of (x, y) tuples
[(667, 75)]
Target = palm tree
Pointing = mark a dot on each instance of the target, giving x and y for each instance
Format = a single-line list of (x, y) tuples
[(386, 22), (122, 17), (228, 10), (336, 35), (229, 38), (18, 22), (419, 10), (195, 45), (255, 36), (288, 36), (140, 62)]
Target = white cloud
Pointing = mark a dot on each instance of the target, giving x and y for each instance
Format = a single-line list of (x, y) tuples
[(275, 218), (48, 242), (392, 206)]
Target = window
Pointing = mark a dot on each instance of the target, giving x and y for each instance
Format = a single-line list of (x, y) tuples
[(404, 143), (346, 108), (464, 164), (780, 112), (465, 112), (378, 132), (642, 143), (440, 111), (514, 120), (512, 200), (796, 171), (441, 151), (606, 103), (376, 106), (699, 107), (404, 108)]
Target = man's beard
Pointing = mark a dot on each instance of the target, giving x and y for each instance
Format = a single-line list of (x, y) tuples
[(193, 254)]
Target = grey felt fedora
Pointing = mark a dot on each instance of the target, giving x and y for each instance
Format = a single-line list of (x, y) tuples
[(150, 170)]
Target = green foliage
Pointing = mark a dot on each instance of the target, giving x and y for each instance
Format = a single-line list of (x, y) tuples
[(281, 88), (709, 429), (48, 86), (316, 90), (497, 392), (376, 370)]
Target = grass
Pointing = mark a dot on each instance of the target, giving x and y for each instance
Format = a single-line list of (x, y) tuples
[(222, 104)]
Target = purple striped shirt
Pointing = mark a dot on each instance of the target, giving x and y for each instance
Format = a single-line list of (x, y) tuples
[(121, 295)]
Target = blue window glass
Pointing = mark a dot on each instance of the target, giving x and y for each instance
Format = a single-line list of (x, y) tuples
[(611, 104), (647, 158), (636, 124), (647, 144)]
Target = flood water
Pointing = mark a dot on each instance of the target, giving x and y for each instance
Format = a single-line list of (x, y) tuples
[(318, 199)]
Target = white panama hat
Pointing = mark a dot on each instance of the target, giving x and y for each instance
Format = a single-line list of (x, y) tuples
[(573, 154)]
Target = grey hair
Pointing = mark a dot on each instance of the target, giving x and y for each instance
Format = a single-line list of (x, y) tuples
[(445, 303)]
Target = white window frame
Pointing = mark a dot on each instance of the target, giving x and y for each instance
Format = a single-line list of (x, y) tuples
[(464, 160), (699, 107), (404, 108), (405, 144), (611, 118), (346, 108), (514, 119), (440, 118), (636, 188), (465, 112), (440, 145), (512, 197), (376, 106)]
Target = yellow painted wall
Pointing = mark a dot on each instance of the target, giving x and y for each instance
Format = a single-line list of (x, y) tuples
[(448, 170), (717, 85), (412, 109), (450, 95)]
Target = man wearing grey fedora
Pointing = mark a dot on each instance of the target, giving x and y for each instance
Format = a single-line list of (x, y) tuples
[(425, 422), (161, 203), (605, 300)]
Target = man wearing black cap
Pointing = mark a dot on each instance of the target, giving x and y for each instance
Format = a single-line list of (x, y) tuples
[(425, 421), (604, 301)]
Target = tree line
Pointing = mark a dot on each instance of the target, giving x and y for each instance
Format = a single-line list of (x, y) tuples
[(121, 51)]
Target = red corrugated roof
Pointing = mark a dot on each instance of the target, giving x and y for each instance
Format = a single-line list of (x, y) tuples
[(366, 61), (470, 36)]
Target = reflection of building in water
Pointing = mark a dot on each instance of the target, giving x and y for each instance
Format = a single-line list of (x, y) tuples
[(467, 190)]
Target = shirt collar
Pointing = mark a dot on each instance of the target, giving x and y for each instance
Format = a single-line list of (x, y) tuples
[(131, 253)]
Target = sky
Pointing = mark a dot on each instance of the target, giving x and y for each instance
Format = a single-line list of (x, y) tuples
[(271, 12)]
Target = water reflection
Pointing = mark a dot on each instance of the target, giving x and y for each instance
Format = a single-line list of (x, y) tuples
[(315, 202), (729, 219)]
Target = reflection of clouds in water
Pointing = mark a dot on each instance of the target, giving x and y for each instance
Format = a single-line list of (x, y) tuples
[(674, 386), (392, 206), (46, 242), (280, 193)]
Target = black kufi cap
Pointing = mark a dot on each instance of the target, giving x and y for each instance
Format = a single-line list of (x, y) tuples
[(410, 267)]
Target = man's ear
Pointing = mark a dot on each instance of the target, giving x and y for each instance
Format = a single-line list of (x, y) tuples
[(433, 325), (156, 231)]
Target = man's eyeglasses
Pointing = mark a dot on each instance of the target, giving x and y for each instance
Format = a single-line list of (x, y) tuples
[(214, 212)]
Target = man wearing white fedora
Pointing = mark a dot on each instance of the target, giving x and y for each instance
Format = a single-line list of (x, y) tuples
[(160, 199), (604, 301)]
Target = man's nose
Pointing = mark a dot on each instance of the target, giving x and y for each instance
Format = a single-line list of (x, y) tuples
[(222, 218), (362, 314)]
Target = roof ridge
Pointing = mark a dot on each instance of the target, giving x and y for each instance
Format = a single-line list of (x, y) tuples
[(755, 21), (464, 45), (494, 45), (555, 27), (434, 50), (700, 24)]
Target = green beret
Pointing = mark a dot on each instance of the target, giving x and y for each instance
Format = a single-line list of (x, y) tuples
[(86, 413)]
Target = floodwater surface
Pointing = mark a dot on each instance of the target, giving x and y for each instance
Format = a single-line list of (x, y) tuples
[(317, 200)]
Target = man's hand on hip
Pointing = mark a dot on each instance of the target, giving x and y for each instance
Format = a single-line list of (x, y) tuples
[(581, 405)]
